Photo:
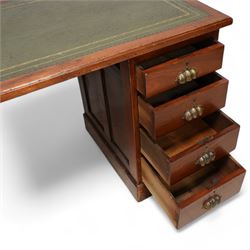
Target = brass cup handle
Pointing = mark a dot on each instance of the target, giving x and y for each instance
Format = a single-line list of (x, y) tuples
[(212, 201), (187, 76), (193, 113), (206, 159)]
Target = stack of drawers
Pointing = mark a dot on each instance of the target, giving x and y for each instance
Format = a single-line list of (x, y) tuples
[(185, 138)]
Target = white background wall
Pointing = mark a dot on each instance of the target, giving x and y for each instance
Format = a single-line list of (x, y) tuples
[(58, 192)]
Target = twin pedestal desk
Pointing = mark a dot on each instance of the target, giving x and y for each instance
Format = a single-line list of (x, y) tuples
[(151, 94)]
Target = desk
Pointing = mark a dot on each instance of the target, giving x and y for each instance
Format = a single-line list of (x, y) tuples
[(102, 43)]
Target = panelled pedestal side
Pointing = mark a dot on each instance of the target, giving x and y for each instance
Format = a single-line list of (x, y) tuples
[(109, 99)]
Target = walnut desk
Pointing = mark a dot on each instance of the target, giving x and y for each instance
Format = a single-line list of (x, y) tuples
[(151, 94)]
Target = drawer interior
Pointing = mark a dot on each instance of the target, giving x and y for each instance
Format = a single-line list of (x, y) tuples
[(183, 90), (194, 134), (177, 53), (204, 180)]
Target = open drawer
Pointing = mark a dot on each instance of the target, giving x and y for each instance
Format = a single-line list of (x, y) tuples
[(191, 147), (178, 67), (198, 193), (174, 108)]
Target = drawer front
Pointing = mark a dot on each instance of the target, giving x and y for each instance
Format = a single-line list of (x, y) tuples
[(165, 76), (180, 161), (224, 191), (174, 171), (206, 195), (171, 115), (189, 163)]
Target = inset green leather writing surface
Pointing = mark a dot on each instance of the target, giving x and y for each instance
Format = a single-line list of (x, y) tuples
[(38, 34)]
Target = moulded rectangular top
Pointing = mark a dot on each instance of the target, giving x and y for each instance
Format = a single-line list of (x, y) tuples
[(46, 42)]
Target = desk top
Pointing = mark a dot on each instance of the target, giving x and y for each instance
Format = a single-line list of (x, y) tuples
[(46, 42)]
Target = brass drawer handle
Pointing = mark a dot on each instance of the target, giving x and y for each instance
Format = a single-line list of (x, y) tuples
[(206, 159), (193, 113), (212, 201), (187, 76)]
